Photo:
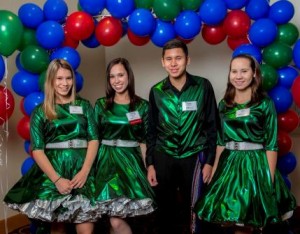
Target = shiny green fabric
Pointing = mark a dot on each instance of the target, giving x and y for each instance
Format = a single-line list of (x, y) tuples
[(241, 191), (35, 194), (122, 188)]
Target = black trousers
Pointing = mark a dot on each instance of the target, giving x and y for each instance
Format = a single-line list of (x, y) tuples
[(173, 192)]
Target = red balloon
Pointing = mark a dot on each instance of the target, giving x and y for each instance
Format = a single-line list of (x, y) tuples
[(213, 34), (23, 128), (295, 89), (288, 121), (109, 31), (7, 104), (233, 42), (284, 142), (69, 41), (80, 25), (236, 24), (22, 106), (137, 40), (186, 41)]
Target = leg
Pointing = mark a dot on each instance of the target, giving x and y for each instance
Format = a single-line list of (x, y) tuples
[(58, 228), (119, 226), (85, 228)]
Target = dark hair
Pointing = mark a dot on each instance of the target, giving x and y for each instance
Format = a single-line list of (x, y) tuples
[(110, 92), (257, 92), (175, 43)]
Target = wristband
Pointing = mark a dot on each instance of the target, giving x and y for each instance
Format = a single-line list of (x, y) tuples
[(57, 180)]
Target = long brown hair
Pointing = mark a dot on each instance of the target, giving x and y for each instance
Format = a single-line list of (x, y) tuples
[(49, 101), (257, 92), (110, 92)]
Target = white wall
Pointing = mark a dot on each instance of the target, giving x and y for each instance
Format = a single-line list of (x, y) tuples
[(206, 60)]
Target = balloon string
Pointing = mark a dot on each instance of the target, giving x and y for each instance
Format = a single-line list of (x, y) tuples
[(3, 145)]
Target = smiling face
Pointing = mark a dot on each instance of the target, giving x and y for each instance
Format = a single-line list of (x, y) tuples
[(241, 74), (118, 78), (175, 62), (63, 83)]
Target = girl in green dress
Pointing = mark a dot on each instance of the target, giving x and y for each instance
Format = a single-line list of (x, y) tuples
[(122, 189), (64, 143), (246, 191)]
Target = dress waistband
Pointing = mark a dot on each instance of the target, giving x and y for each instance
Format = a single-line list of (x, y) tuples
[(243, 146), (120, 143), (75, 143)]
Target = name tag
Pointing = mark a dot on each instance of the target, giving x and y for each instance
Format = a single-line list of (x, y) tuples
[(134, 117), (76, 110), (242, 112), (189, 106)]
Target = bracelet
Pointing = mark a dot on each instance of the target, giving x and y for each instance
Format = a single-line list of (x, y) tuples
[(57, 180)]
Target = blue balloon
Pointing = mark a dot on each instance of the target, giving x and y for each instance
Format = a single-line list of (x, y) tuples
[(249, 49), (56, 10), (31, 15), (26, 165), (50, 34), (27, 146), (141, 22), (281, 12), (120, 8), (296, 54), (282, 98), (79, 81), (263, 32), (287, 163), (257, 9), (213, 12), (18, 62), (163, 32), (187, 25), (234, 4), (287, 181), (286, 76), (92, 7), (69, 54), (32, 100), (91, 42), (24, 83), (2, 68)]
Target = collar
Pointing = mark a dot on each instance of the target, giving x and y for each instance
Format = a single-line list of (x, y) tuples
[(189, 82)]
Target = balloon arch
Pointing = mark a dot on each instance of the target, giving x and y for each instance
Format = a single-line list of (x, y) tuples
[(255, 27)]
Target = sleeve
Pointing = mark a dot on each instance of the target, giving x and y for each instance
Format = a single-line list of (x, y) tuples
[(37, 125), (92, 130), (270, 126), (152, 132), (220, 129), (212, 122), (98, 110), (145, 122)]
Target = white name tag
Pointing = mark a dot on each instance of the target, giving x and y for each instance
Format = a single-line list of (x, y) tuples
[(76, 110), (189, 106), (134, 117), (242, 112)]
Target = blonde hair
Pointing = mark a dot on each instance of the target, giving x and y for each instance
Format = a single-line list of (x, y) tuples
[(50, 98)]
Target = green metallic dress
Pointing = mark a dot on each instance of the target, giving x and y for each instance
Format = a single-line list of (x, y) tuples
[(122, 188), (35, 194), (241, 191)]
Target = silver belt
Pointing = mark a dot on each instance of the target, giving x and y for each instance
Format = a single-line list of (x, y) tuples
[(120, 143), (243, 146), (75, 143)]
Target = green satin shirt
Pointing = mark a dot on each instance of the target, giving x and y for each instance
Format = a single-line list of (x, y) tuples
[(182, 123)]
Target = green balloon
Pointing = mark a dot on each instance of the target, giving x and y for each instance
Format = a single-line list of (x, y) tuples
[(190, 4), (147, 4), (278, 54), (288, 33), (11, 30), (34, 59), (269, 76), (28, 38), (42, 80), (166, 9)]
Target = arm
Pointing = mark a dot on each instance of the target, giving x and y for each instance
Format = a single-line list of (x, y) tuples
[(272, 161), (218, 154), (143, 151), (63, 185)]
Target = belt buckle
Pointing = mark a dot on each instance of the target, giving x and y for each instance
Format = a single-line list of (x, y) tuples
[(71, 145), (236, 145), (114, 142)]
